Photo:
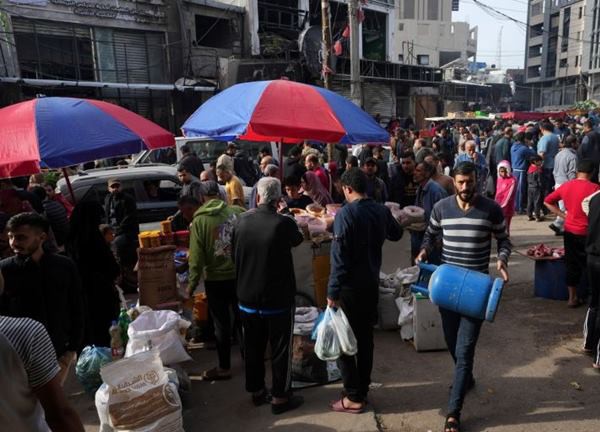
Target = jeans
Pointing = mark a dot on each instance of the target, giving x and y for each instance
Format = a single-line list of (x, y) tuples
[(520, 198), (548, 181), (222, 305), (461, 334), (276, 330)]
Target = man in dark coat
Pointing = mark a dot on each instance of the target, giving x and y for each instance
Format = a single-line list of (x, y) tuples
[(190, 161), (121, 214), (43, 286), (590, 148), (266, 286)]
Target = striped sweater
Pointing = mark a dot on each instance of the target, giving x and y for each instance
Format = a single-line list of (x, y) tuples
[(467, 235)]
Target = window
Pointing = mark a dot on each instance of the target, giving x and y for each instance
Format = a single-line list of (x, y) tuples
[(433, 7), (409, 9), (401, 27), (581, 12), (213, 32), (423, 60), (536, 9), (563, 63), (401, 58), (576, 61)]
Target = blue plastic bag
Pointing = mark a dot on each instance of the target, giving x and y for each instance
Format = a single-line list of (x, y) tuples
[(88, 366)]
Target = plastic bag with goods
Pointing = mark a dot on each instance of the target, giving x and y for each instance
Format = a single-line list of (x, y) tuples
[(387, 309), (162, 330), (344, 332), (405, 318), (327, 346), (88, 366), (137, 396)]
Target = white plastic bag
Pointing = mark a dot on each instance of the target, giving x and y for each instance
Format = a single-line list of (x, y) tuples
[(160, 330), (327, 346), (137, 396), (387, 311), (405, 319), (344, 332)]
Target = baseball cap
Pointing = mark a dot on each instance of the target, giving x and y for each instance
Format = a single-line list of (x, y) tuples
[(209, 188), (113, 181)]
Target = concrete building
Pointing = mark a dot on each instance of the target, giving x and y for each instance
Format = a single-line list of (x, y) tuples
[(591, 48), (426, 35), (554, 54)]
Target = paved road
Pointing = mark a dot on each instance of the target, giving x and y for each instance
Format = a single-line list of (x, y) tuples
[(530, 374)]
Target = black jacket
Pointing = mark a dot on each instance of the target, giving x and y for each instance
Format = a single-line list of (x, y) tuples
[(262, 243), (48, 292), (192, 164), (293, 168), (592, 241), (121, 213)]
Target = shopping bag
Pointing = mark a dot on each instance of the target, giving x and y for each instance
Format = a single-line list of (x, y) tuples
[(343, 330), (327, 346), (88, 366)]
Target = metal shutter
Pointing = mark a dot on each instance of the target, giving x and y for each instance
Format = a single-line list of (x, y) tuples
[(379, 98), (131, 57)]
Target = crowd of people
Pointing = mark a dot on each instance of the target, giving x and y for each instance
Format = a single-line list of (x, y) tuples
[(469, 181)]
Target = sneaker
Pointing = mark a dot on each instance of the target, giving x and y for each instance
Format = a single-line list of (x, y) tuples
[(292, 403)]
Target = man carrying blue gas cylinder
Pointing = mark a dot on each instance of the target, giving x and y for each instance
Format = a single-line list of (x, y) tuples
[(465, 222)]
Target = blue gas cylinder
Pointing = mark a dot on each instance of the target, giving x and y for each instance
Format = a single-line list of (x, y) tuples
[(460, 290)]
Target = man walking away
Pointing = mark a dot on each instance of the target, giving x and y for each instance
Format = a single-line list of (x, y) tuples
[(32, 398), (210, 255), (190, 161), (548, 149), (233, 186), (466, 222), (520, 152), (359, 230), (572, 193), (565, 169), (266, 286), (591, 326)]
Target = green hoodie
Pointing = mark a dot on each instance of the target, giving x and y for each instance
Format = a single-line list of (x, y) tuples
[(210, 242)]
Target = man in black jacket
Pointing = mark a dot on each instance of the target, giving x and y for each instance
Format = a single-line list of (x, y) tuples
[(121, 214), (43, 286), (590, 148), (591, 328), (266, 286)]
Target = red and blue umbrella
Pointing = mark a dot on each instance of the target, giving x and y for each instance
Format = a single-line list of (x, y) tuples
[(284, 111), (56, 132)]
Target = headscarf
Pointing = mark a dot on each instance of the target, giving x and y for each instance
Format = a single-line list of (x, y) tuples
[(315, 189), (505, 189)]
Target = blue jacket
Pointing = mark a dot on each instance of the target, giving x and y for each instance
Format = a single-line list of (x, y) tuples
[(519, 156), (428, 195), (359, 230)]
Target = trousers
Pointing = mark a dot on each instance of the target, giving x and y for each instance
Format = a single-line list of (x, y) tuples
[(258, 330), (222, 305), (591, 325)]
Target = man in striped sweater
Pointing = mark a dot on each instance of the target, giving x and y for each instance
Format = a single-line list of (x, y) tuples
[(465, 222)]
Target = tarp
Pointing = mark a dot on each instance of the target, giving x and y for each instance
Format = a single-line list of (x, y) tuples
[(531, 116)]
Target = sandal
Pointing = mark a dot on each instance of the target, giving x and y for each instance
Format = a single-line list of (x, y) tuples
[(452, 425), (338, 406), (215, 374)]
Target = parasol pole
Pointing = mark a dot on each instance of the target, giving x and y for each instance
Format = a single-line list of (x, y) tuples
[(69, 186), (281, 164)]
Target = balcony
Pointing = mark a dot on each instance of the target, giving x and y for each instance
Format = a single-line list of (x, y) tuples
[(275, 17), (386, 71)]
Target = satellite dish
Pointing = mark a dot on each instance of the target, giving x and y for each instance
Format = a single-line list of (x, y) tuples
[(310, 46)]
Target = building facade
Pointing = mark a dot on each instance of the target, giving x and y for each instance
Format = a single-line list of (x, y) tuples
[(555, 53)]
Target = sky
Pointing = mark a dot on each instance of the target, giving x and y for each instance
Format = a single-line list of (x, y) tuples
[(513, 35)]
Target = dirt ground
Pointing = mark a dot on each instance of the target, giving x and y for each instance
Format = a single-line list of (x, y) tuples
[(530, 373)]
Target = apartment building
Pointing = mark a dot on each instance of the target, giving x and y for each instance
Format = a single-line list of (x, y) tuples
[(555, 51), (427, 36)]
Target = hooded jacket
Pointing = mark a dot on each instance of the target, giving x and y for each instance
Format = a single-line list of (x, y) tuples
[(506, 189), (210, 242)]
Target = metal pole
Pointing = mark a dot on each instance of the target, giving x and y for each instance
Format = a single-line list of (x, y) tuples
[(355, 85), (326, 38), (69, 186)]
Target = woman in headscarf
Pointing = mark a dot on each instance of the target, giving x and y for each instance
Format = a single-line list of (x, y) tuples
[(313, 187), (98, 270), (506, 191)]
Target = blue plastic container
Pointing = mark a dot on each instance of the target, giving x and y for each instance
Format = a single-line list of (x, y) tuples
[(460, 290)]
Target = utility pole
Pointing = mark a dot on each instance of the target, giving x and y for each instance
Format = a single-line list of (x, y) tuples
[(355, 84), (499, 52), (326, 38), (326, 52)]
